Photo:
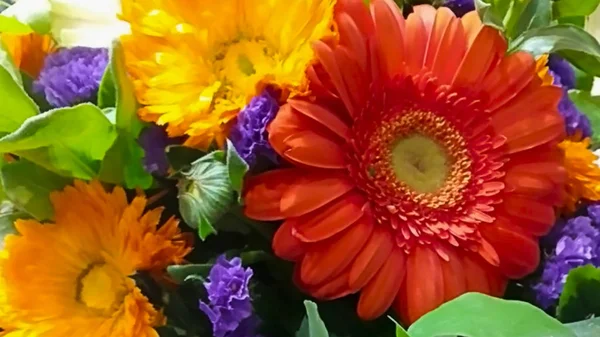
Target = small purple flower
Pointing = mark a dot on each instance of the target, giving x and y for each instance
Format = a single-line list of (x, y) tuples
[(154, 140), (71, 76), (249, 135), (572, 243), (460, 7), (228, 295), (562, 71), (574, 119)]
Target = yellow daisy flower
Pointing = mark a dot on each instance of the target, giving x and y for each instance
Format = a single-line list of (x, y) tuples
[(583, 175), (70, 277), (195, 64)]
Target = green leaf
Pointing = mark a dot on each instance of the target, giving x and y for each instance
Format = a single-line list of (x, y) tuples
[(69, 141), (236, 167), (583, 81), (28, 186), (205, 193), (527, 14), (33, 13), (16, 106), (587, 328), (123, 163), (580, 297), (478, 315), (573, 43), (490, 15), (313, 325), (400, 331), (107, 93), (590, 106), (569, 8), (181, 273), (8, 215), (13, 26)]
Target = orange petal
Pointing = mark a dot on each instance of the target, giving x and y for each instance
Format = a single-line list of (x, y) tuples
[(355, 79), (330, 219), (389, 31), (327, 259), (528, 209), (528, 183), (451, 51), (313, 191), (485, 52), (321, 115), (285, 245), (416, 41), (455, 283), (352, 38), (371, 258), (424, 283), (262, 194), (380, 292), (442, 20), (359, 13), (332, 289), (488, 253), (313, 149), (476, 275), (326, 56), (509, 78), (518, 251), (286, 123), (472, 24)]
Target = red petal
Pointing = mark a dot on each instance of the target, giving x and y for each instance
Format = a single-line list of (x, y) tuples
[(262, 193), (321, 115), (389, 30), (518, 251), (442, 20), (529, 209), (285, 245), (327, 57), (509, 78), (455, 283), (359, 13), (353, 39), (329, 258), (330, 219), (424, 283), (476, 275), (452, 49), (332, 289), (286, 123), (487, 49), (380, 292), (313, 191), (416, 41), (312, 149), (472, 24), (371, 258)]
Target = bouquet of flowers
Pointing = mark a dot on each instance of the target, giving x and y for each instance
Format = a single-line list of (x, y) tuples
[(301, 168)]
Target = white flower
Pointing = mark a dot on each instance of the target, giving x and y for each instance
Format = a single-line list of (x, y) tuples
[(91, 23), (592, 26)]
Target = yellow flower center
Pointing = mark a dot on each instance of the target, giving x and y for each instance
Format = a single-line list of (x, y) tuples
[(101, 287), (420, 162)]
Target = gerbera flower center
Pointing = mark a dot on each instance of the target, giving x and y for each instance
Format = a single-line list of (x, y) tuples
[(420, 162), (101, 287)]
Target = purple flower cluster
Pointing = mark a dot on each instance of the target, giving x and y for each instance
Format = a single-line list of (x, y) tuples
[(249, 134), (460, 7), (572, 243), (564, 76), (154, 140), (229, 306), (71, 76)]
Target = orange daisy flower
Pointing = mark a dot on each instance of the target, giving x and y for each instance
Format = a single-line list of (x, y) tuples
[(29, 51), (425, 166), (583, 174)]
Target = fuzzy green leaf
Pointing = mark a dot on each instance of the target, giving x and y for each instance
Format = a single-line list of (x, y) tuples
[(123, 163), (205, 193), (580, 297), (28, 187), (478, 315), (69, 141)]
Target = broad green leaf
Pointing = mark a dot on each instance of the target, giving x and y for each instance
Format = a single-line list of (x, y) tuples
[(28, 187), (570, 8), (123, 163), (400, 331), (478, 315), (313, 325), (107, 93), (34, 13), (590, 106), (182, 272), (8, 216), (13, 26), (490, 14), (236, 167), (527, 14), (573, 43), (578, 21), (16, 105), (586, 328), (69, 141), (580, 297), (205, 193), (583, 81)]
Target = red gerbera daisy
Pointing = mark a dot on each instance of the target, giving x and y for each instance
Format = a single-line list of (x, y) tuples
[(425, 166)]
